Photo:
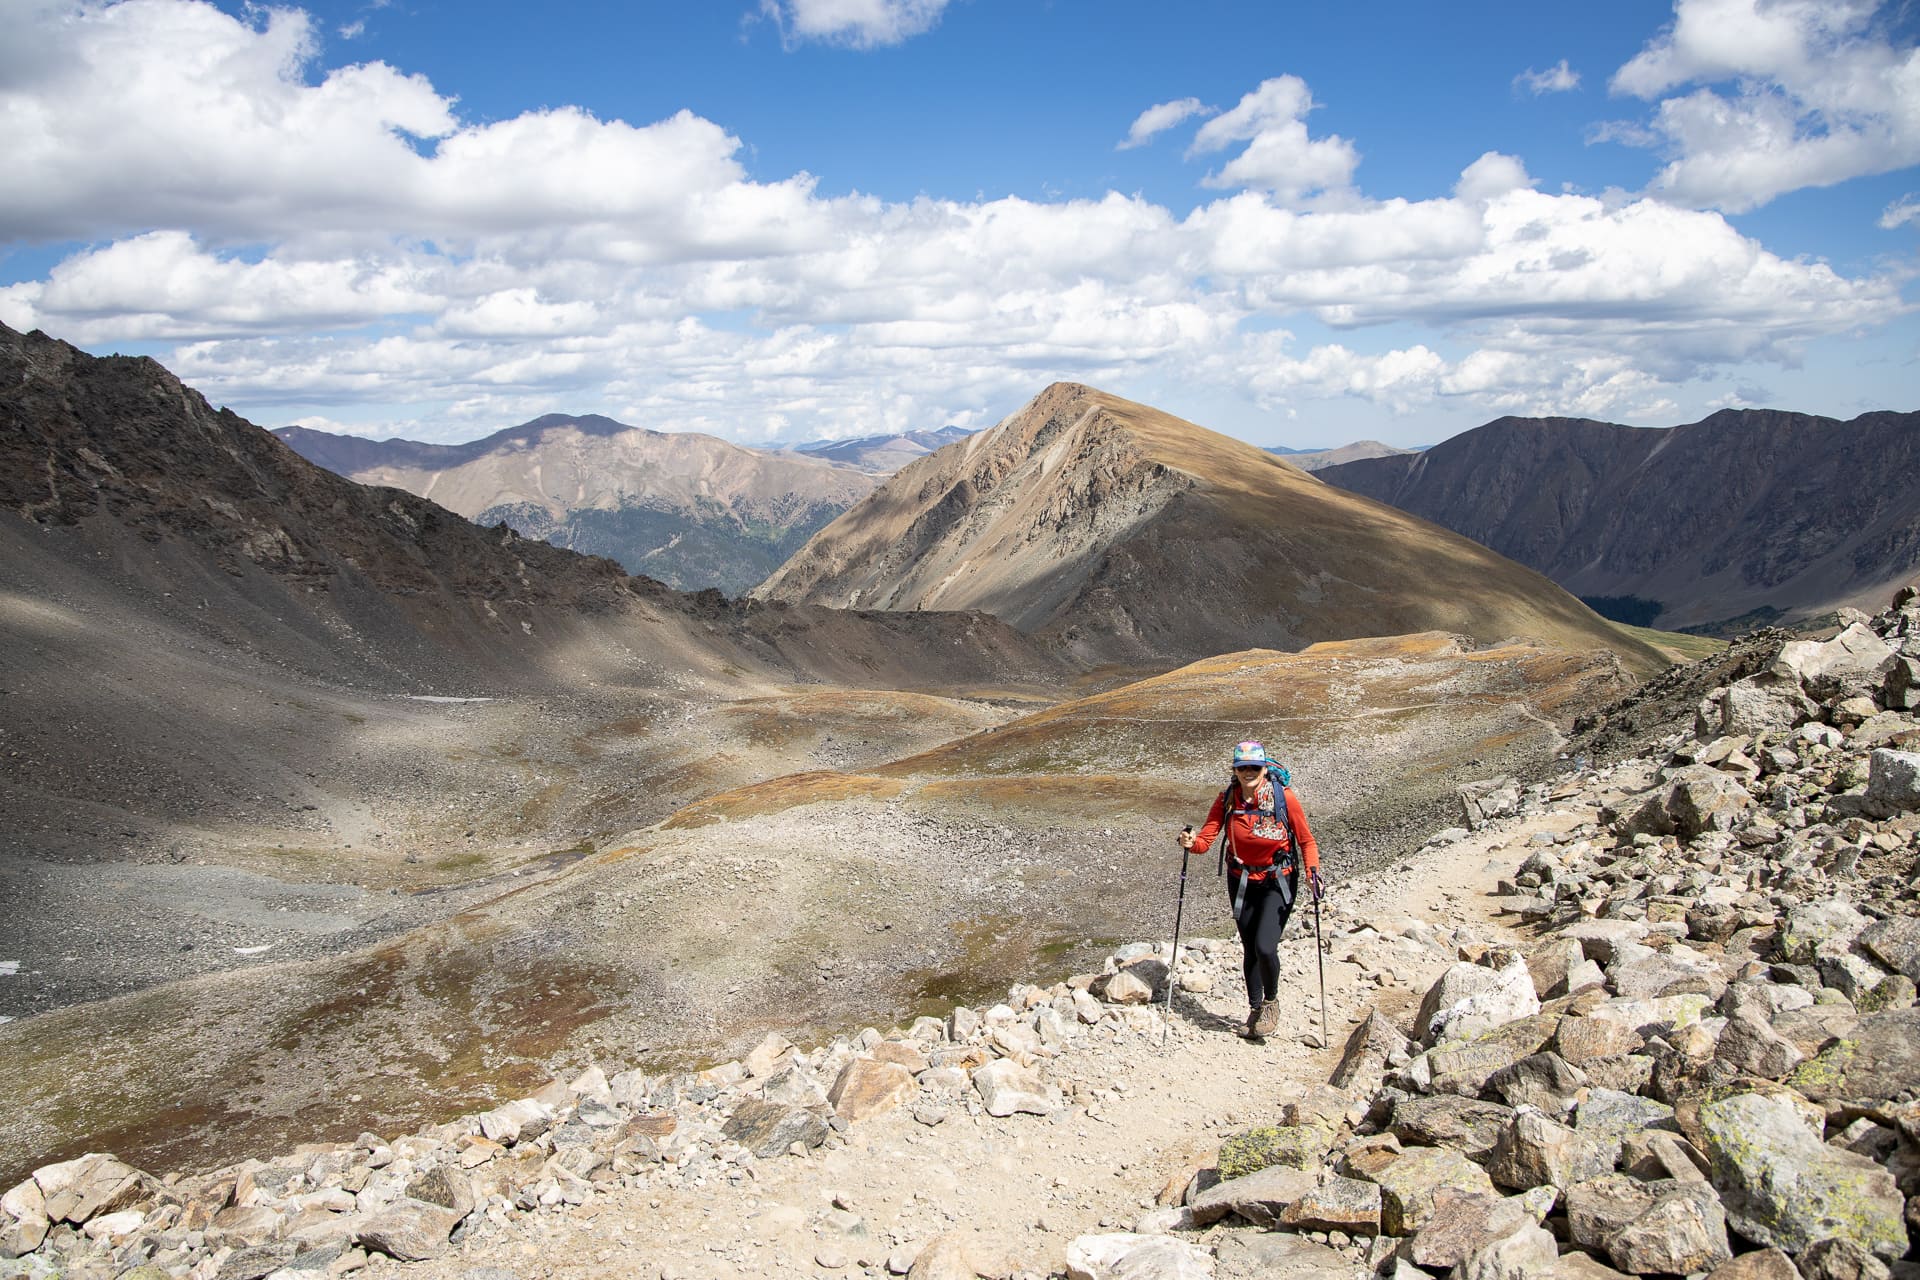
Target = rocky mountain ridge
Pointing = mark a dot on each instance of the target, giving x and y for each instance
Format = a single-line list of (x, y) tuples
[(884, 455), (692, 510), (1744, 518), (1702, 1062), (1116, 531), (1321, 459)]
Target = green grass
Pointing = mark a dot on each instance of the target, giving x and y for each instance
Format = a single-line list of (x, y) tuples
[(1678, 645)]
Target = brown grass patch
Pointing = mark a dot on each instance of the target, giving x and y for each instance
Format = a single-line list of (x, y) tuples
[(780, 794)]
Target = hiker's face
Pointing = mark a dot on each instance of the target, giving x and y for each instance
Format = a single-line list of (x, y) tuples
[(1247, 773)]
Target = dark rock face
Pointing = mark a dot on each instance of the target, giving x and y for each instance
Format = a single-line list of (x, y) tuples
[(1745, 512)]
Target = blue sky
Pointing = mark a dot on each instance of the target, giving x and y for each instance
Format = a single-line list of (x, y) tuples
[(799, 218)]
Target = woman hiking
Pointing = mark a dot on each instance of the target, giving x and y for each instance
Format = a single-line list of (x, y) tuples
[(1267, 844)]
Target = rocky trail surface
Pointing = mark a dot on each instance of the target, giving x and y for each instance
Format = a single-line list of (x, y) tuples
[(1655, 1019)]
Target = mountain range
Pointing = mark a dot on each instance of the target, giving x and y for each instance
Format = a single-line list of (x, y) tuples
[(690, 510), (884, 455), (1746, 517), (1117, 532), (1319, 459)]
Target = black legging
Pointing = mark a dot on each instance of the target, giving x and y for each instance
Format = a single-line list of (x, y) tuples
[(1261, 915)]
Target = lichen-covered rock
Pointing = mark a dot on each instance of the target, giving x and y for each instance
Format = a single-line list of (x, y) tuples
[(1783, 1186), (1878, 1059), (1811, 925), (1292, 1146), (770, 1128), (1351, 1205)]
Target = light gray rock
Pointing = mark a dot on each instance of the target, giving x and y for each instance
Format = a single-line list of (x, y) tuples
[(1895, 942), (1487, 800), (1649, 1227), (1764, 704), (1535, 1151), (1277, 1255), (1526, 1253), (1545, 1081), (1701, 798), (1783, 1186), (1472, 991), (794, 1086), (1893, 782), (1812, 925), (1409, 1185), (1752, 1047), (1259, 1198), (1610, 1115), (1350, 1205), (1841, 1260), (1007, 1088), (1462, 1223), (1855, 659), (410, 1230)]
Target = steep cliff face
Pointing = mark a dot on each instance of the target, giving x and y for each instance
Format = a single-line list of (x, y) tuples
[(691, 510), (1118, 531), (1746, 514)]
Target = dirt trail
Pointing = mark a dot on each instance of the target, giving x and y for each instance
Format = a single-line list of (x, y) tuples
[(1143, 1110)]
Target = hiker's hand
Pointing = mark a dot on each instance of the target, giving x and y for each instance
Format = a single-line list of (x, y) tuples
[(1186, 839), (1313, 879)]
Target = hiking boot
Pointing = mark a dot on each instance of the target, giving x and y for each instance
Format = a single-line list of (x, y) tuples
[(1245, 1029), (1266, 1020)]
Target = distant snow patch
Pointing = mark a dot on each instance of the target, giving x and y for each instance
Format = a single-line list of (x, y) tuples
[(431, 697), (8, 968), (252, 951)]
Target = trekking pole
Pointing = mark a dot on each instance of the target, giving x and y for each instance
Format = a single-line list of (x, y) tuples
[(1320, 956), (1173, 959)]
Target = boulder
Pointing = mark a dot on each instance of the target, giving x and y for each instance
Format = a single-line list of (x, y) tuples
[(1841, 1260), (768, 1056), (1374, 1045), (1259, 1198), (866, 1087), (1893, 782), (1761, 1264), (1683, 1231), (1408, 1186), (78, 1189), (1007, 1088), (1675, 971), (1463, 1222), (1526, 1253), (1467, 1125), (1854, 660), (769, 1129), (1276, 1255), (1580, 1040), (795, 1086), (1338, 1204), (409, 1230), (1814, 925), (1752, 1047), (1126, 987), (1542, 1080), (1489, 799), (23, 1220), (1878, 1059), (1126, 1256), (1783, 1186), (1600, 939), (1764, 704), (1611, 1116), (1477, 991), (1464, 1066), (1895, 942), (1294, 1146), (1535, 1151), (1701, 798)]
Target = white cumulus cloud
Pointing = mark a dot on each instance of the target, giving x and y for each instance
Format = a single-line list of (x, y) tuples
[(1159, 118), (1279, 156), (1558, 78), (859, 24), (1756, 98)]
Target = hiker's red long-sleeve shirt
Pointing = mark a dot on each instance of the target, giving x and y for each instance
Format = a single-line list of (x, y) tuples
[(1254, 840)]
